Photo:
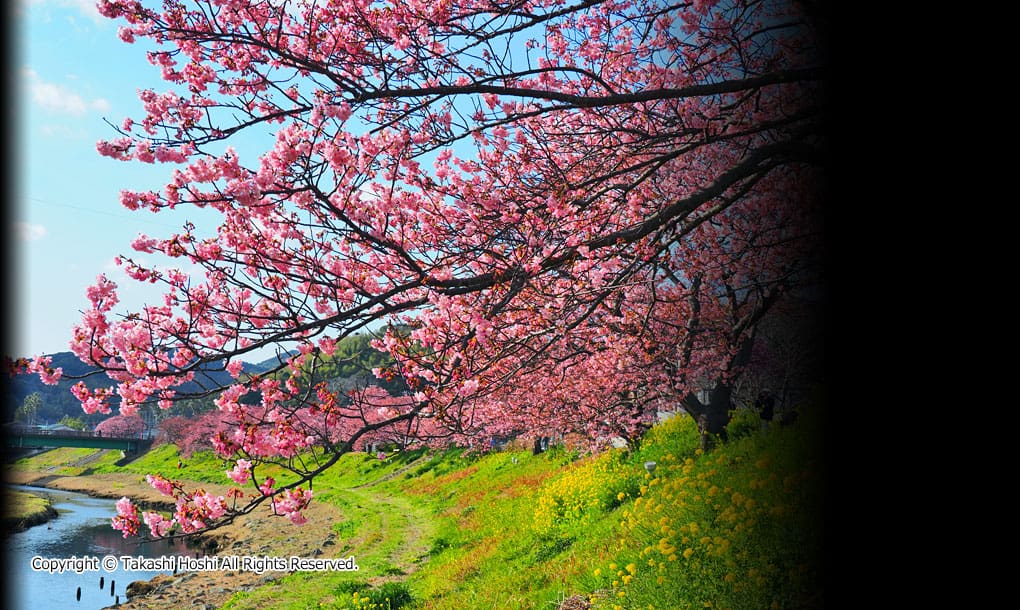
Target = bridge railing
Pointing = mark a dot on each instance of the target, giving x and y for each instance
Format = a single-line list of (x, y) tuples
[(144, 435)]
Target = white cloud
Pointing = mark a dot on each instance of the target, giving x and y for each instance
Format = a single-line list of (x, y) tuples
[(58, 98), (28, 232), (85, 7)]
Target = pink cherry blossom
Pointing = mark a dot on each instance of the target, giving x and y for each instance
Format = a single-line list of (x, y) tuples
[(241, 472), (562, 244), (127, 518), (159, 525), (161, 484)]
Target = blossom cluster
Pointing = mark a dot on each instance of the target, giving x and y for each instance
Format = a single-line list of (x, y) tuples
[(634, 196)]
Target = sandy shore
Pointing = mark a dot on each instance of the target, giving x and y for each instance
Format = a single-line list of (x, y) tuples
[(257, 534)]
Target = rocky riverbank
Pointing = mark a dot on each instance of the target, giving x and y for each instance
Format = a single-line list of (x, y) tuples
[(259, 533)]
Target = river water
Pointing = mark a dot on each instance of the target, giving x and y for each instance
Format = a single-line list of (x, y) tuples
[(82, 530)]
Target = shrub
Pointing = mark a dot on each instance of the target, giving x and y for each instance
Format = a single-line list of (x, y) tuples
[(396, 593), (737, 527), (388, 596), (585, 491), (743, 422)]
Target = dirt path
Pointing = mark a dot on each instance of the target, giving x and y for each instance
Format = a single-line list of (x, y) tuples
[(413, 524), (402, 521), (392, 475)]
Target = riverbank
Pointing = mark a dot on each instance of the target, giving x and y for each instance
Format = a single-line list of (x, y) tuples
[(256, 534), (23, 510), (665, 525)]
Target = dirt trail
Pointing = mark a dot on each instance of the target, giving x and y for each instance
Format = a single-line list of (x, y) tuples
[(392, 475), (401, 520)]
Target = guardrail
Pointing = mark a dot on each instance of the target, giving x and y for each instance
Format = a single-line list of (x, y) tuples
[(12, 430), (74, 438)]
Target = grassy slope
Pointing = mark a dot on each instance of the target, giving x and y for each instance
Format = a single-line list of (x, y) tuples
[(23, 506), (738, 527)]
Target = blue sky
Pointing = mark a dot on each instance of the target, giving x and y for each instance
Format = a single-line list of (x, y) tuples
[(71, 72)]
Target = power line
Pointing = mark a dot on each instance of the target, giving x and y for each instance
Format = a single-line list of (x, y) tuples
[(103, 213)]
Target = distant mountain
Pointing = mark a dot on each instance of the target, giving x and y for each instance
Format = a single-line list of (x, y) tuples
[(268, 363), (57, 400), (352, 365)]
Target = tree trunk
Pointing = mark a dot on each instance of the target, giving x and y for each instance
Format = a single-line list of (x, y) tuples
[(717, 411), (713, 416)]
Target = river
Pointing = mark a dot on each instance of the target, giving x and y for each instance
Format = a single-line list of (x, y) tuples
[(82, 530)]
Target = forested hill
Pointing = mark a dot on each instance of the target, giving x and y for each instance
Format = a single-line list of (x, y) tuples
[(57, 400), (353, 362)]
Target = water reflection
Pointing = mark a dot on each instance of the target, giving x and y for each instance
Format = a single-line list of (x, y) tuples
[(83, 528)]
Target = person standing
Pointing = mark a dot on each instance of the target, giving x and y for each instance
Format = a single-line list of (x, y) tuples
[(765, 404)]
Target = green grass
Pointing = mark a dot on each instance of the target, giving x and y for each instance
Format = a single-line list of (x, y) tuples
[(203, 466), (60, 461), (737, 527), (20, 505)]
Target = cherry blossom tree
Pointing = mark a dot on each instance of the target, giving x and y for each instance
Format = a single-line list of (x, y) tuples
[(553, 207), (121, 426), (173, 430)]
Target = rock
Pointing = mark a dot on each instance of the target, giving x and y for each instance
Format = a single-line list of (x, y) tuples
[(139, 587), (576, 602)]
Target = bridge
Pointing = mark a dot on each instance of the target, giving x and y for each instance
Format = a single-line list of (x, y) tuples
[(28, 437)]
